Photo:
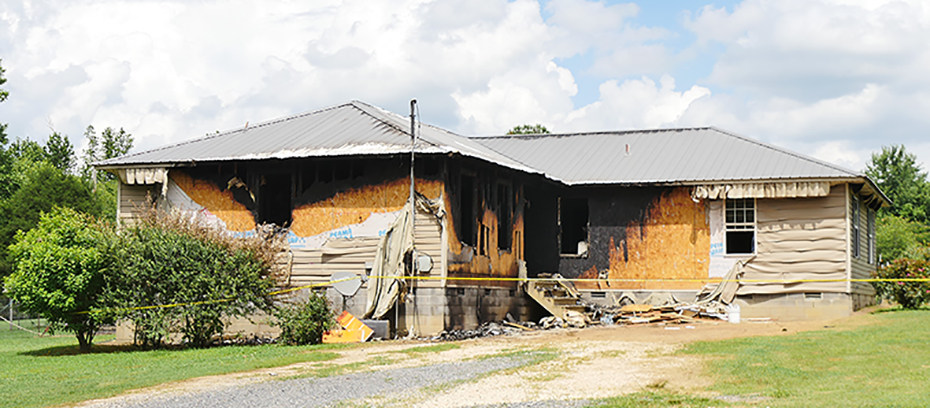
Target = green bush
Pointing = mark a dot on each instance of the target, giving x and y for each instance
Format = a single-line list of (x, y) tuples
[(60, 271), (169, 258), (908, 294), (304, 322)]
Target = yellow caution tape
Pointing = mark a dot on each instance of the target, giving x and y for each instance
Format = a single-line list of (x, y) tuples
[(500, 279)]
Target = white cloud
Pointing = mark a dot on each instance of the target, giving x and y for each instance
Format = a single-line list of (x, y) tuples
[(834, 79)]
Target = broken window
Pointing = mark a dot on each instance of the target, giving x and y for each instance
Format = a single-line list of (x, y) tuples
[(573, 223), (855, 226), (468, 218), (274, 201), (504, 215), (740, 226)]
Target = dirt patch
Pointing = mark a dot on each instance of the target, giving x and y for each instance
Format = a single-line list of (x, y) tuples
[(590, 363)]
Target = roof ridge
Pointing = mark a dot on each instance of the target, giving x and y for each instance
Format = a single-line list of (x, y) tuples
[(228, 132), (366, 109), (788, 152), (596, 133)]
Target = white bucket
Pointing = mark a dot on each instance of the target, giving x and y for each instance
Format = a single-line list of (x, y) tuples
[(733, 313)]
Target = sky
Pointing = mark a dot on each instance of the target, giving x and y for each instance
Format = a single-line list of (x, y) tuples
[(832, 79)]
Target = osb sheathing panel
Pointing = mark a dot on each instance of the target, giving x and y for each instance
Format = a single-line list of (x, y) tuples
[(218, 201), (495, 263), (355, 205), (672, 241)]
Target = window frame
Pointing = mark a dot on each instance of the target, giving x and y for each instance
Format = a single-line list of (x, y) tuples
[(736, 226), (855, 228), (870, 237)]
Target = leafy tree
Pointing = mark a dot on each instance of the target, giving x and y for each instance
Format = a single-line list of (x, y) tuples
[(528, 130), (3, 95), (59, 152), (44, 188), (897, 173), (109, 144), (898, 237), (60, 271)]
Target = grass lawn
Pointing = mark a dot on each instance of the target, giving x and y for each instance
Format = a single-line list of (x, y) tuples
[(41, 371), (884, 363)]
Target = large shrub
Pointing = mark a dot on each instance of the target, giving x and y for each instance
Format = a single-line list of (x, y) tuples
[(170, 258), (908, 294), (60, 272), (304, 322)]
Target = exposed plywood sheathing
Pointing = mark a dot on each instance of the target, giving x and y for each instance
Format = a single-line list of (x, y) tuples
[(798, 239), (217, 201), (672, 242), (355, 205)]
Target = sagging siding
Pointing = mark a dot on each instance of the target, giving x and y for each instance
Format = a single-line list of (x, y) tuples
[(797, 239), (132, 199), (862, 266), (644, 233)]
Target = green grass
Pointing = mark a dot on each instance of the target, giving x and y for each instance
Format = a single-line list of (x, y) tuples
[(885, 363), (42, 371), (435, 348), (659, 398)]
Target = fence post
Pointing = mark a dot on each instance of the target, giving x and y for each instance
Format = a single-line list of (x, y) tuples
[(11, 314)]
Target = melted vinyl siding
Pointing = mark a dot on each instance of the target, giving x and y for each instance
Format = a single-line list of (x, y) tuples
[(799, 238), (132, 198), (350, 255), (860, 267)]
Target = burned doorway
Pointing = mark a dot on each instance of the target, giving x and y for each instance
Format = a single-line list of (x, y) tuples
[(274, 201)]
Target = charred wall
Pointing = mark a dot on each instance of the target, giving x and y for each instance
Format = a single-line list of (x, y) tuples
[(311, 196), (487, 221), (640, 233)]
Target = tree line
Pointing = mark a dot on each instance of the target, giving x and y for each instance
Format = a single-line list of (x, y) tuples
[(37, 177)]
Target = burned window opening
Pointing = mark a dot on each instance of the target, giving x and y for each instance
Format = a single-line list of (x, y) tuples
[(573, 223), (324, 172), (307, 175), (740, 216), (274, 201), (467, 205), (504, 213), (342, 170)]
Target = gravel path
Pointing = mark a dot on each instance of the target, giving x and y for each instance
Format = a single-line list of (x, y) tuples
[(330, 391)]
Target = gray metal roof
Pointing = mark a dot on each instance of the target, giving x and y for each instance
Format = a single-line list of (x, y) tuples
[(659, 156), (354, 128), (690, 155)]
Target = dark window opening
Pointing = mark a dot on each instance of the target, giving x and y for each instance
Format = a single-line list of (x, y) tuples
[(342, 170), (307, 175), (358, 169), (740, 216), (740, 242), (855, 227), (504, 215), (275, 199), (573, 221), (324, 172), (467, 215), (431, 167)]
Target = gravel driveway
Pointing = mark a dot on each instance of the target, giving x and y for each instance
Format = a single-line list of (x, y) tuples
[(387, 385)]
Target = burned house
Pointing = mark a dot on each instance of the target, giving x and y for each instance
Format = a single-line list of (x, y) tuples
[(632, 213)]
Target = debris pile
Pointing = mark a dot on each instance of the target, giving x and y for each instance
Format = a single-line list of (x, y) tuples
[(487, 329)]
